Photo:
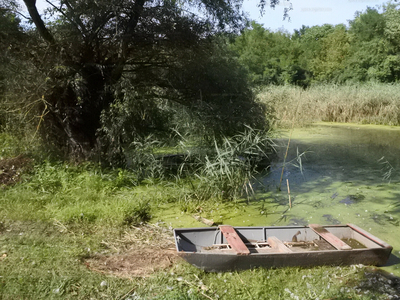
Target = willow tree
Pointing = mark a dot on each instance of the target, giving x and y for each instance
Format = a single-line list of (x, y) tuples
[(90, 56), (12, 40)]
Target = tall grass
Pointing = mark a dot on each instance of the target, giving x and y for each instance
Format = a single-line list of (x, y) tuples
[(373, 103), (228, 170), (88, 193), (77, 194)]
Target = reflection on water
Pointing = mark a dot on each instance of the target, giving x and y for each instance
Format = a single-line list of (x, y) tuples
[(339, 174)]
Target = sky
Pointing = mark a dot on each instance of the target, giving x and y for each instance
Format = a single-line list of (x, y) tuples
[(308, 12)]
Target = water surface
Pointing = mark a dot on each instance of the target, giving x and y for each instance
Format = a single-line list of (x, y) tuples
[(340, 174)]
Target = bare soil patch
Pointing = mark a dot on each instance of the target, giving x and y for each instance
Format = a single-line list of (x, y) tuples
[(139, 263), (141, 251)]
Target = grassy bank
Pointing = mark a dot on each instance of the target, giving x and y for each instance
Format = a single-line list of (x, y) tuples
[(44, 263), (365, 104), (75, 232)]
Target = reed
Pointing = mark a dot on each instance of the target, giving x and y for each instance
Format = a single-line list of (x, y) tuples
[(228, 170), (387, 169), (372, 103)]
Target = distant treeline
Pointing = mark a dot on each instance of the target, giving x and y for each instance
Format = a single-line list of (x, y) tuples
[(366, 50)]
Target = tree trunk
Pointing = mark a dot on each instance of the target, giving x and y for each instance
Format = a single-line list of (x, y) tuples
[(75, 106), (75, 113)]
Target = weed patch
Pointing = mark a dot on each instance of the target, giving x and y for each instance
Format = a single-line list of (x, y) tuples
[(76, 194), (228, 171)]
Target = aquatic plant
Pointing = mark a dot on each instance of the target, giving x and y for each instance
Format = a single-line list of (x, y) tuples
[(228, 170), (387, 169), (297, 162)]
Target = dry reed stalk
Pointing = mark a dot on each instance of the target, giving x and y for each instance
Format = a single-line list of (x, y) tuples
[(365, 104), (288, 189)]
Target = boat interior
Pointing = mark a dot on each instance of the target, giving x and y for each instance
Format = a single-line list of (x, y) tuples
[(226, 239)]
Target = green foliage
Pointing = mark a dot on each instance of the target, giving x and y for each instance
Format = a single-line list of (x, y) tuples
[(392, 28), (7, 145), (11, 40), (368, 25), (366, 50), (266, 54), (206, 96), (95, 82), (329, 63)]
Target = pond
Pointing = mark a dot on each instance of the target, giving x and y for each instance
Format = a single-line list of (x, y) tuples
[(337, 174)]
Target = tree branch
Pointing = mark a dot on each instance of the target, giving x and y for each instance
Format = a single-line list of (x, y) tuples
[(126, 38), (131, 26), (74, 23), (77, 18), (33, 12)]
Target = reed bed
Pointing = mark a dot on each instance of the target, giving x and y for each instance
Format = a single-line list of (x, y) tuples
[(365, 104)]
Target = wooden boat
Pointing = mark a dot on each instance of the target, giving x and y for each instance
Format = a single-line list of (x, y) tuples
[(227, 248)]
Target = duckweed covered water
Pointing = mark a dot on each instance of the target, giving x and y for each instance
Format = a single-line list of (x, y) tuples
[(337, 174)]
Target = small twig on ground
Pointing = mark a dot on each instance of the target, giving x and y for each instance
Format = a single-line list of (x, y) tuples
[(128, 293), (204, 220), (244, 286)]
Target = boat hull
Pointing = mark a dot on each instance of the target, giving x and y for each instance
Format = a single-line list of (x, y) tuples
[(223, 262), (196, 246)]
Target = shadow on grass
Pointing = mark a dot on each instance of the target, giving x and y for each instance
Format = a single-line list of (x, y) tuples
[(393, 260)]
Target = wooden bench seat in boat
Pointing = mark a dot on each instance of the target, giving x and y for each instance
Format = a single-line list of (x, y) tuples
[(329, 237)]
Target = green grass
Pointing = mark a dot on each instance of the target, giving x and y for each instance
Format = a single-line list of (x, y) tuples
[(366, 104), (61, 214), (39, 260), (73, 194), (9, 145), (45, 261)]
